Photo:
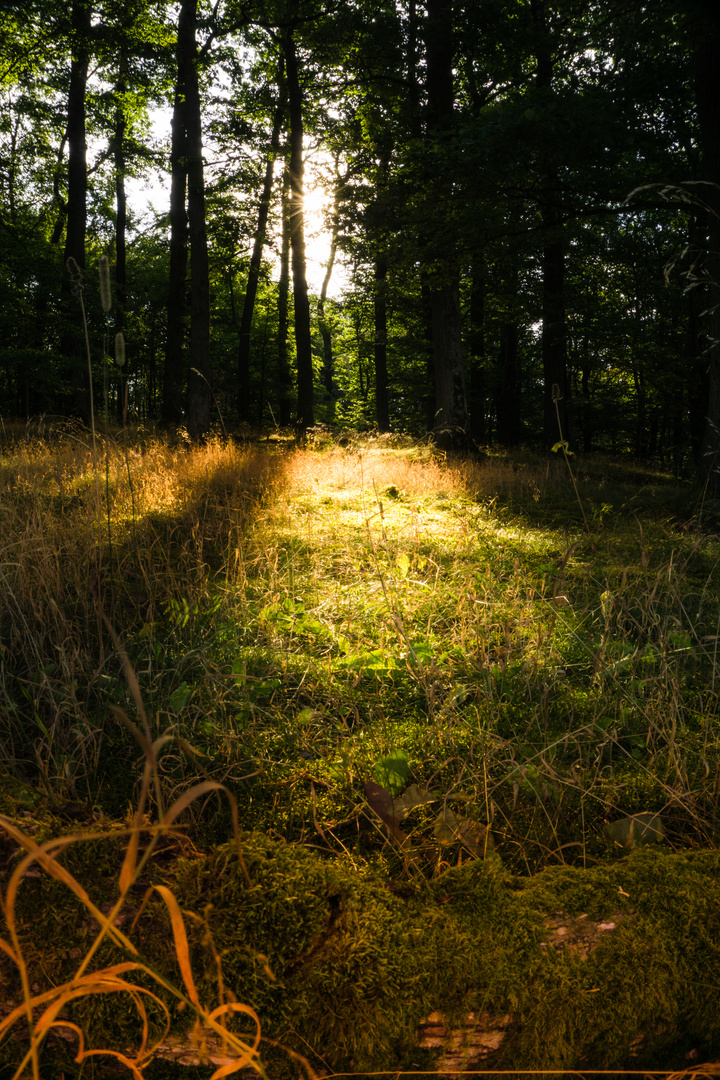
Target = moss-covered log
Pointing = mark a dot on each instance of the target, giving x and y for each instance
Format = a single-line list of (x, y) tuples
[(606, 968)]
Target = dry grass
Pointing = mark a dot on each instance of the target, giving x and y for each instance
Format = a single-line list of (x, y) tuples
[(299, 615)]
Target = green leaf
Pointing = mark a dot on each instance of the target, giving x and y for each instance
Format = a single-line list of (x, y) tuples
[(180, 697), (421, 653), (402, 564), (391, 772)]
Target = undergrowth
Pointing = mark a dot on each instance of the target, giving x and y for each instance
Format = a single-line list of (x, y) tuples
[(304, 622)]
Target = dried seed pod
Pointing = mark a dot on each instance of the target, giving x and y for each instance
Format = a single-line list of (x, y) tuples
[(119, 350)]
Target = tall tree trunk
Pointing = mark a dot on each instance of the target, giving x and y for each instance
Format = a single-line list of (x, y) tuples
[(198, 410), (553, 332), (707, 93), (324, 326), (246, 319), (415, 127), (477, 352), (382, 404), (119, 135), (305, 404), (451, 420), (173, 373), (554, 347), (508, 405), (73, 345), (284, 374)]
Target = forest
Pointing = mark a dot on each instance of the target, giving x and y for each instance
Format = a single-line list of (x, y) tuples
[(521, 194), (359, 539)]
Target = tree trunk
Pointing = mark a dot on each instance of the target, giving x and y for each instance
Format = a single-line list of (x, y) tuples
[(555, 385), (451, 421), (284, 374), (305, 404), (382, 404), (507, 408), (246, 319), (325, 333), (553, 333), (120, 218), (707, 93), (477, 352), (73, 342), (198, 410), (173, 374)]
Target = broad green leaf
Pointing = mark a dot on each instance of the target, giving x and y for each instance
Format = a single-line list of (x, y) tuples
[(402, 564), (391, 772), (421, 652), (180, 697)]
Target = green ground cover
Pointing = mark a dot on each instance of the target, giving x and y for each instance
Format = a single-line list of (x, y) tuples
[(303, 621)]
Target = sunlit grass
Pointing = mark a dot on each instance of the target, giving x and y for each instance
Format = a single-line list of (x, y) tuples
[(297, 615)]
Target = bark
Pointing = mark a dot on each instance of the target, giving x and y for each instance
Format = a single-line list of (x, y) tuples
[(553, 333), (586, 413), (382, 404), (284, 374), (507, 406), (120, 215), (554, 347), (477, 353), (73, 344), (173, 374), (451, 421), (325, 332), (246, 319), (707, 93), (198, 408), (507, 396), (301, 305)]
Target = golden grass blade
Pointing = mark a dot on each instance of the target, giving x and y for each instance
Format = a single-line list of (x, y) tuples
[(8, 950), (182, 950), (248, 1053), (100, 982)]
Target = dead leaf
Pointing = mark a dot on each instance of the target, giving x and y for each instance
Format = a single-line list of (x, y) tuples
[(450, 829), (382, 804)]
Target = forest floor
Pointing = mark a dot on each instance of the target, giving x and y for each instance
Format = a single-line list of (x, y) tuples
[(404, 666), (501, 644)]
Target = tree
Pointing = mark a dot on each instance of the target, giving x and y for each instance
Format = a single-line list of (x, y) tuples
[(707, 93), (451, 421), (76, 203), (301, 304), (253, 278)]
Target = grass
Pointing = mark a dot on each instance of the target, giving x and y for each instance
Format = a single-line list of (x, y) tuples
[(321, 643), (299, 617)]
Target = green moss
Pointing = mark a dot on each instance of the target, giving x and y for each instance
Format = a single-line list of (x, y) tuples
[(342, 964)]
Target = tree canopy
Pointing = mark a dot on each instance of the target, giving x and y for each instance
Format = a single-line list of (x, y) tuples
[(524, 197)]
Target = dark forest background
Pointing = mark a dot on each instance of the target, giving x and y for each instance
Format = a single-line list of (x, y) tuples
[(524, 193)]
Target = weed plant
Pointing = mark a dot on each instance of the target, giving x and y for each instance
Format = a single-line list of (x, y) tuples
[(305, 621)]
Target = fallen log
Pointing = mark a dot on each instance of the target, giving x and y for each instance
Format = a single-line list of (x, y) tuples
[(612, 967)]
